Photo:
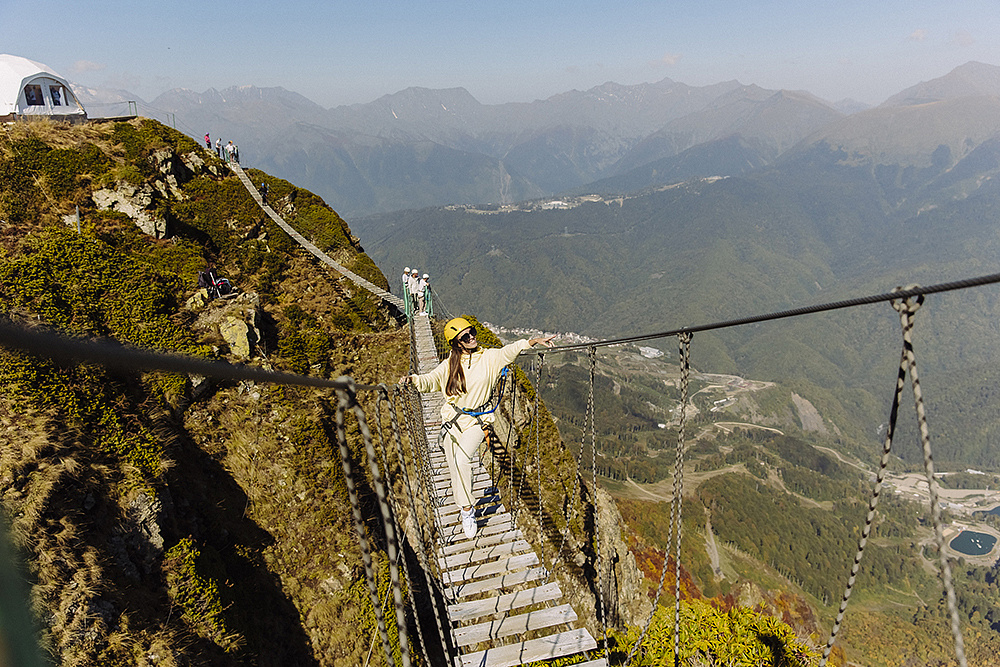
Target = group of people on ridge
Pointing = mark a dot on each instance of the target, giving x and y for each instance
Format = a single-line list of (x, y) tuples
[(466, 379), (229, 152), (415, 290)]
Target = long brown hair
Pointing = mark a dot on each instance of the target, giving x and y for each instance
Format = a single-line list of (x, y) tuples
[(456, 376)]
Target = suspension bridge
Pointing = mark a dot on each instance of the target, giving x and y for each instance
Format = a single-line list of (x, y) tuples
[(478, 577), (494, 601)]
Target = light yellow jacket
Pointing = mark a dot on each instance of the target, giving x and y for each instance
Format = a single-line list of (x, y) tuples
[(481, 369)]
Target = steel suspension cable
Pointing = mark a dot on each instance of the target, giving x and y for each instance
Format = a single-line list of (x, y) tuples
[(538, 449), (421, 549), (380, 396), (592, 353), (422, 466), (794, 312), (684, 342), (577, 477), (125, 358), (872, 502)]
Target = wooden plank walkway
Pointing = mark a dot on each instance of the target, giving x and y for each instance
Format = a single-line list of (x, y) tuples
[(488, 630), (503, 612)]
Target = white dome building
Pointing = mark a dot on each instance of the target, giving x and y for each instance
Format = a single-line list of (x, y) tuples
[(31, 90)]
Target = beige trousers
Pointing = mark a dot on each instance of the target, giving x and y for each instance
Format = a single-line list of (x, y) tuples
[(461, 449)]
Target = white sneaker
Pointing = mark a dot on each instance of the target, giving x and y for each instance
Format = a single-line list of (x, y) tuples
[(468, 519)]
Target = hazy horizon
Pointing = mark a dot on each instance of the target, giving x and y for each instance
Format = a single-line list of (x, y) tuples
[(354, 53)]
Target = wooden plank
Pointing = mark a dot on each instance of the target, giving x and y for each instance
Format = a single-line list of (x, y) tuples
[(481, 541), (486, 553), (543, 648), (496, 567), (478, 489), (443, 479), (473, 609), (484, 507), (485, 585), (514, 625)]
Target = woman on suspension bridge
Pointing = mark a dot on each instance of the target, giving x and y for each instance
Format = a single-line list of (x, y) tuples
[(466, 378)]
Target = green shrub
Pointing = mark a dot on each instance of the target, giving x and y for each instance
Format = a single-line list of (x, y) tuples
[(369, 624), (740, 637), (193, 579)]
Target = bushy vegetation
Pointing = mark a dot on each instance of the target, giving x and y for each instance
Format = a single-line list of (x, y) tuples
[(194, 581), (739, 637)]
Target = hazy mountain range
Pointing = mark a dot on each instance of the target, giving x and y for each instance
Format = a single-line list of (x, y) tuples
[(422, 147)]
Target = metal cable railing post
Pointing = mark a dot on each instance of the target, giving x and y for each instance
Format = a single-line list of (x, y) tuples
[(421, 547), (906, 309), (344, 402)]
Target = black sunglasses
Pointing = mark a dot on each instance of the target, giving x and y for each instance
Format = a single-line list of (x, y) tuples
[(468, 335)]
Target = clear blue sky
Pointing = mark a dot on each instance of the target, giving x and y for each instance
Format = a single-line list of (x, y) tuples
[(501, 50)]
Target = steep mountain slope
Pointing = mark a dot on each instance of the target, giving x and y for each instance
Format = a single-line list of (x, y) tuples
[(172, 520)]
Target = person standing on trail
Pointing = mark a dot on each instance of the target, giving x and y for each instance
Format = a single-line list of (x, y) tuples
[(466, 379), (406, 282), (208, 142), (414, 289), (218, 147), (422, 294)]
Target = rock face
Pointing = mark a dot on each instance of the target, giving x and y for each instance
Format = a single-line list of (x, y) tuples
[(236, 332), (139, 203), (625, 599), (136, 203)]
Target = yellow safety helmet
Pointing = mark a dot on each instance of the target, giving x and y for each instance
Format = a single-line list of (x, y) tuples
[(454, 327)]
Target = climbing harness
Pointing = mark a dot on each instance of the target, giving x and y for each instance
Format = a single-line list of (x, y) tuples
[(487, 408)]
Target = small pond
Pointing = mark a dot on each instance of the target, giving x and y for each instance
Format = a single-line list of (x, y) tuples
[(971, 543), (995, 510)]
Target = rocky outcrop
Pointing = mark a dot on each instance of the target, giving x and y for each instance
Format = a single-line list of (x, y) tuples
[(625, 599), (234, 322), (140, 203), (137, 202)]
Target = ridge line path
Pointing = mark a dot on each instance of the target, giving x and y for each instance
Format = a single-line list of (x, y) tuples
[(490, 573)]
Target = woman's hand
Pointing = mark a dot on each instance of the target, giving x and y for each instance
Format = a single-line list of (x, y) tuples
[(405, 380), (547, 342)]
